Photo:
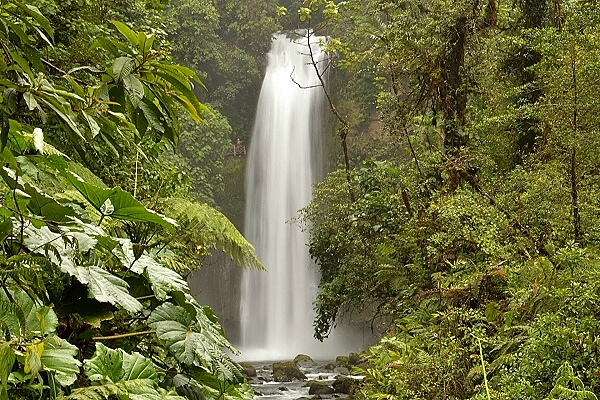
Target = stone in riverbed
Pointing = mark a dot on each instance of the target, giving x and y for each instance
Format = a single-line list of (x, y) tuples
[(248, 369), (304, 361), (316, 387), (287, 371), (354, 359), (345, 385), (341, 361)]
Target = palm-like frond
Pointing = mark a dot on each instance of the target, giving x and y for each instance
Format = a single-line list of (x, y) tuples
[(204, 226)]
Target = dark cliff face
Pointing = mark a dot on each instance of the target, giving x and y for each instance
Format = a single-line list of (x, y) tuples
[(217, 285)]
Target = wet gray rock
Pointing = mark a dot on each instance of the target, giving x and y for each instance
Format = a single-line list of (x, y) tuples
[(354, 359), (248, 369), (304, 361), (345, 385), (318, 388), (287, 371), (341, 361)]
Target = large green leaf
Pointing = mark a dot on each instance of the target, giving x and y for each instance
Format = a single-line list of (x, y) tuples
[(175, 326), (162, 279), (59, 357), (135, 89), (194, 340), (46, 206), (7, 360), (102, 285), (41, 319), (62, 110), (107, 288), (131, 36), (118, 203), (36, 14), (117, 373), (216, 388), (39, 202), (122, 67), (12, 318)]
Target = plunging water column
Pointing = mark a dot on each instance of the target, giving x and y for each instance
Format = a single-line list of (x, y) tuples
[(284, 160)]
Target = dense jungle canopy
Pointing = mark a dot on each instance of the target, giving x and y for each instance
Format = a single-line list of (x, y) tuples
[(460, 216)]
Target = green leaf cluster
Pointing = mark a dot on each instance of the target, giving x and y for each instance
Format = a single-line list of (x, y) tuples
[(472, 241), (85, 277)]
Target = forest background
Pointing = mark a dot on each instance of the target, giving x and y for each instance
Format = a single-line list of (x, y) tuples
[(460, 214)]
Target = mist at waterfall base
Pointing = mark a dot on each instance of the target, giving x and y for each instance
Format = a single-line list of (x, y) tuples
[(285, 158)]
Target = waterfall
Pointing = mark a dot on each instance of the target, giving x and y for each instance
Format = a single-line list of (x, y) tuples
[(284, 160)]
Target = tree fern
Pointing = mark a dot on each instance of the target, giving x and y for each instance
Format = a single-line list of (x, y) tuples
[(202, 225)]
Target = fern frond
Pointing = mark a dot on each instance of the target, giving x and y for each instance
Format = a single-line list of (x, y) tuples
[(23, 271), (204, 226), (12, 317)]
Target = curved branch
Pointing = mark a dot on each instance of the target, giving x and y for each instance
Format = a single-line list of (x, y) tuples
[(344, 128)]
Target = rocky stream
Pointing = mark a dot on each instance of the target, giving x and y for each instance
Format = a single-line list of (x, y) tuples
[(304, 378)]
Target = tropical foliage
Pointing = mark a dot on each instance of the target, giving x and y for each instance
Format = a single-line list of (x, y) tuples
[(92, 305), (466, 228)]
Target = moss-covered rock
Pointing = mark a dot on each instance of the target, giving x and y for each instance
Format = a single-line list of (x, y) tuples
[(345, 385), (341, 361), (304, 361), (354, 359), (248, 369), (316, 387), (287, 371)]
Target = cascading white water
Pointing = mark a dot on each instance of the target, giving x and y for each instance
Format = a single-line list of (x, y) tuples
[(283, 162)]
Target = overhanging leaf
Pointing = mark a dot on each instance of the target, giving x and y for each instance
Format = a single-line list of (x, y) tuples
[(127, 32), (162, 279), (7, 360), (123, 205), (41, 319), (117, 373), (173, 325), (59, 357), (135, 89), (106, 365), (204, 225), (102, 285), (122, 67), (36, 14), (107, 288)]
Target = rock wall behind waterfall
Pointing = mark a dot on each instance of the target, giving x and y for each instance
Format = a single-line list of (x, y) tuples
[(217, 285)]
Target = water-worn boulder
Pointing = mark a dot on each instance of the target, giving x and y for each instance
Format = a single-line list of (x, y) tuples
[(316, 387), (345, 385), (248, 369), (354, 359), (341, 361), (304, 361), (287, 371)]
